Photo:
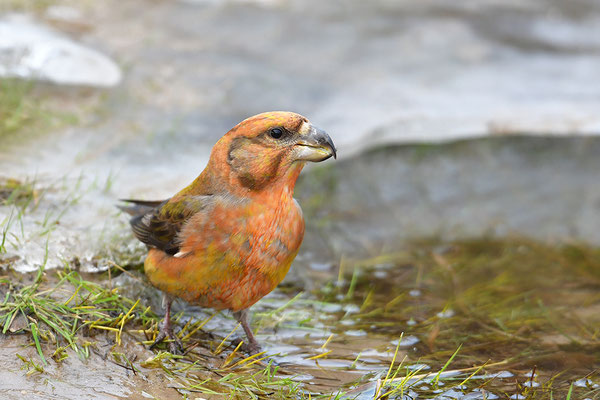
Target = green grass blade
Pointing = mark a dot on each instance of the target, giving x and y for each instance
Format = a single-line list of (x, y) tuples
[(437, 377), (36, 339), (570, 392)]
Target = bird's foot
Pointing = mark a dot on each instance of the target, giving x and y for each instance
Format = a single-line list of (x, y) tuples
[(251, 348), (166, 331)]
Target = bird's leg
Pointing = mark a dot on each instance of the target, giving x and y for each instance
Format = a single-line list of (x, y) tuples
[(166, 330), (242, 317)]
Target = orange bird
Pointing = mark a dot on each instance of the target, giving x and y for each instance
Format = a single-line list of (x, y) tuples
[(229, 238)]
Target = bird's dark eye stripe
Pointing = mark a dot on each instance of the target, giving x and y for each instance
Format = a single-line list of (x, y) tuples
[(276, 133)]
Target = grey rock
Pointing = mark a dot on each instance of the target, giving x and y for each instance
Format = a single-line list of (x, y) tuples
[(32, 51)]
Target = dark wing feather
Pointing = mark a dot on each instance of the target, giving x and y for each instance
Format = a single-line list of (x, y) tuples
[(159, 226), (139, 207)]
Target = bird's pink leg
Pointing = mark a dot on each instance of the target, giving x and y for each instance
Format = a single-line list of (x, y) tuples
[(242, 317), (166, 330)]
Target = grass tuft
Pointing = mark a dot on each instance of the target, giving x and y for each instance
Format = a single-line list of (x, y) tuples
[(60, 314)]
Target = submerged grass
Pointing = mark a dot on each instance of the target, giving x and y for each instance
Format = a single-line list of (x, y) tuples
[(517, 303)]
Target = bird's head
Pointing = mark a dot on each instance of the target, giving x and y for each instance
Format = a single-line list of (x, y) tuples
[(269, 148)]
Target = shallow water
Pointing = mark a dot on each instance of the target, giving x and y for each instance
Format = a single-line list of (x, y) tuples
[(531, 337)]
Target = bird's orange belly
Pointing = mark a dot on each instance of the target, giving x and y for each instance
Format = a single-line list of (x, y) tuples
[(236, 289), (231, 270)]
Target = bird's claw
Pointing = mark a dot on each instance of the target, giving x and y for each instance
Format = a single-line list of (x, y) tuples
[(251, 348), (175, 346)]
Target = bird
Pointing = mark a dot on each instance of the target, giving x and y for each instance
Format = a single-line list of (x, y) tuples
[(229, 238)]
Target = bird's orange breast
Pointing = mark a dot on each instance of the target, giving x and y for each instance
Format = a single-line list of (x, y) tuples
[(233, 254)]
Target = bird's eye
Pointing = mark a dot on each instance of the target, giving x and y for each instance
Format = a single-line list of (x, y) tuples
[(276, 133)]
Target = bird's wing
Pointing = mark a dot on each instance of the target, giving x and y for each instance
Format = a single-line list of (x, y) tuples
[(160, 226)]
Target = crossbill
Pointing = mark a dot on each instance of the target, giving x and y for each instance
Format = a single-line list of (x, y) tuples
[(229, 238)]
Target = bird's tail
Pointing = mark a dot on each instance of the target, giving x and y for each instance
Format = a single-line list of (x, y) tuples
[(139, 207)]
